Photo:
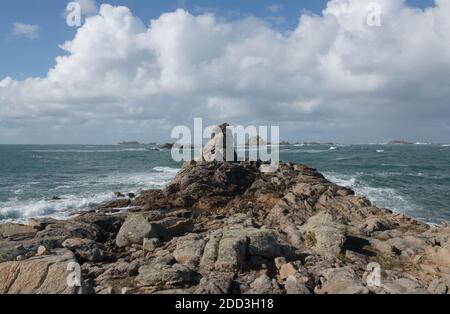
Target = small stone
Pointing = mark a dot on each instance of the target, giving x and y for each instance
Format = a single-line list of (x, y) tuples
[(135, 229), (264, 285), (150, 245), (437, 287), (295, 285), (20, 258), (287, 270), (356, 257), (42, 250), (279, 261), (138, 255)]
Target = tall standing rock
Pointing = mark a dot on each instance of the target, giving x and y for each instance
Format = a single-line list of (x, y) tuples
[(220, 147)]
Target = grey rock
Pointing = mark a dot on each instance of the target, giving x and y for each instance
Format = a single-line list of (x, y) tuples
[(165, 276), (264, 285), (216, 283), (232, 251), (296, 285), (264, 243), (85, 249), (150, 245), (135, 229), (211, 251), (324, 234), (189, 249), (341, 281)]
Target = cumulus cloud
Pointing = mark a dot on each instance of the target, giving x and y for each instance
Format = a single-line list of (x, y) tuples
[(331, 77), (26, 30)]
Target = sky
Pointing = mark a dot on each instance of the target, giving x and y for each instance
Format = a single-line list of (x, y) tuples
[(135, 69)]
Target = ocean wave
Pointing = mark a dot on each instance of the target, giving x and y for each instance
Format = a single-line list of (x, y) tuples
[(381, 197), (304, 151), (445, 145), (166, 169), (21, 211), (342, 180), (77, 195)]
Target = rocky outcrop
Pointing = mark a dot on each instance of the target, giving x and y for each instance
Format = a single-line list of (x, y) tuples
[(39, 275), (228, 227)]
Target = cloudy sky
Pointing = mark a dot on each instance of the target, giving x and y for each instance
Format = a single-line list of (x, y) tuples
[(135, 69)]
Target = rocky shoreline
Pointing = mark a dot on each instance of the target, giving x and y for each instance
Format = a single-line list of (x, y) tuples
[(222, 227)]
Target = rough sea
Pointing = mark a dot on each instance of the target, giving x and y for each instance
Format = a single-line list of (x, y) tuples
[(60, 180)]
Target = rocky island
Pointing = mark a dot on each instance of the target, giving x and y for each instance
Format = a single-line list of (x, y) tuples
[(230, 228)]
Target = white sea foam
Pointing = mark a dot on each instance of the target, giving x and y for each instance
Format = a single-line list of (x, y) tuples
[(16, 210), (342, 180), (333, 148), (380, 151), (445, 145), (20, 211), (381, 197), (166, 169)]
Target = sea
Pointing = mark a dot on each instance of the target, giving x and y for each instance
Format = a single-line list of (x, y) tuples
[(60, 180)]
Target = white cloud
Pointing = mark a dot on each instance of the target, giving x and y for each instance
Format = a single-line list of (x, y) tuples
[(26, 30), (331, 77)]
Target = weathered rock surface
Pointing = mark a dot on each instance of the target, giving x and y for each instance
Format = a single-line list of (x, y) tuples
[(135, 229), (38, 275), (324, 234), (228, 227)]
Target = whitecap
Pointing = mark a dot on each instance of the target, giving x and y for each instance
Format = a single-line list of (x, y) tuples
[(381, 197), (342, 180), (21, 211), (380, 151), (166, 169)]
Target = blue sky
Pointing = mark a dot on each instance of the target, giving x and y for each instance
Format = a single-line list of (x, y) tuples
[(328, 77), (23, 57)]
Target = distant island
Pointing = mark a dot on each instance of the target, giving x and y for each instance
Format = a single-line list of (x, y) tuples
[(399, 142), (129, 143)]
